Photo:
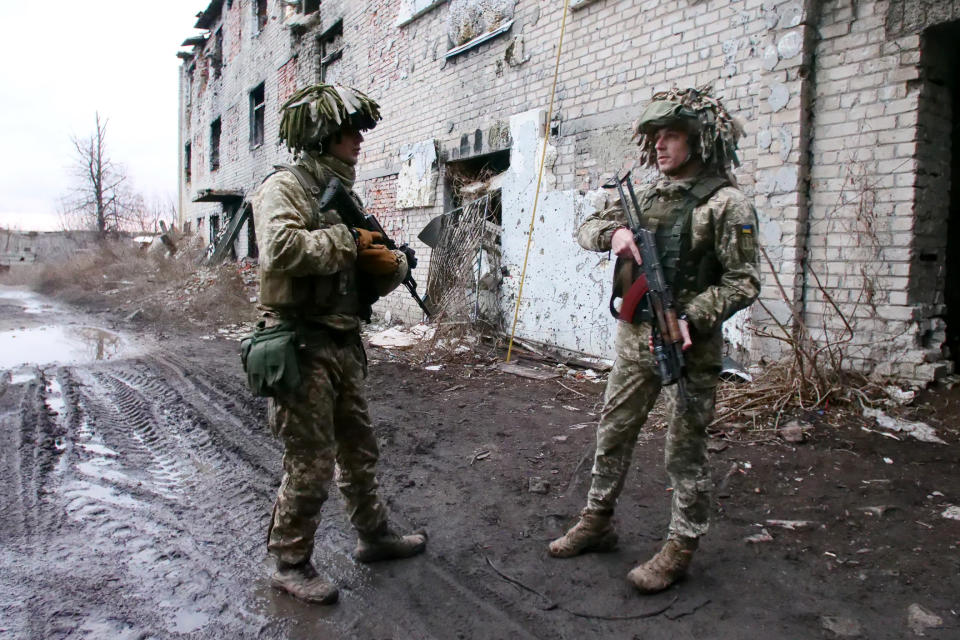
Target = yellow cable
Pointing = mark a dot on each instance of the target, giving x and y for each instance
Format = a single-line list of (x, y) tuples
[(536, 197)]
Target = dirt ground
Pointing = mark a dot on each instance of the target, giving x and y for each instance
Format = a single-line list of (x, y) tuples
[(139, 477)]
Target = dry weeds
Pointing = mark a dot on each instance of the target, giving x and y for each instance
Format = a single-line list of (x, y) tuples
[(171, 291)]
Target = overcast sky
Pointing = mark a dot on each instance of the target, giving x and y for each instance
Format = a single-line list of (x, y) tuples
[(64, 61)]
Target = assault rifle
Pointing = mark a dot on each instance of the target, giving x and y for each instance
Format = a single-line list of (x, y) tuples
[(651, 286), (337, 197)]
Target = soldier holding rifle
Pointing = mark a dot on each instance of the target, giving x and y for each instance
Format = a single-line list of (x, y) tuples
[(704, 230), (319, 276)]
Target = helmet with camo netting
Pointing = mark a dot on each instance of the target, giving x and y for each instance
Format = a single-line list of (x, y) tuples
[(314, 113), (701, 115)]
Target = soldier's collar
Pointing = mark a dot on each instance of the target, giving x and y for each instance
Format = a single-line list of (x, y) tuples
[(315, 161), (669, 189)]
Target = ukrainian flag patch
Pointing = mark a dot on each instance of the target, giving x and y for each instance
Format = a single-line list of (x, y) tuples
[(746, 229)]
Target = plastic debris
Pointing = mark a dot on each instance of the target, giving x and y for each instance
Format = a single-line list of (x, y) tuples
[(920, 619), (402, 337), (763, 536), (898, 397), (733, 371), (433, 367), (842, 627), (951, 513), (792, 525), (919, 430)]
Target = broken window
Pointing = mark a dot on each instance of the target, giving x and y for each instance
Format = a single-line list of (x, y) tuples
[(199, 224), (187, 161), (216, 53), (257, 108), (261, 8), (214, 227), (311, 6), (252, 250), (331, 50), (464, 279), (215, 145)]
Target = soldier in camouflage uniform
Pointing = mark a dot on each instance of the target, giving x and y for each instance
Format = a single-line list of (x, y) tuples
[(322, 276), (706, 231)]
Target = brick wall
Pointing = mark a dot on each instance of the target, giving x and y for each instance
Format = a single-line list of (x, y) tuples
[(249, 58), (845, 152)]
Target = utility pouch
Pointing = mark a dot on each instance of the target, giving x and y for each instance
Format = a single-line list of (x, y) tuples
[(269, 357)]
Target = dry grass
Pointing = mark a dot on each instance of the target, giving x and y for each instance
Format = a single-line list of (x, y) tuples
[(169, 291)]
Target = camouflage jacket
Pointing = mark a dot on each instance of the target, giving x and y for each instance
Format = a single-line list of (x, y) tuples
[(307, 266), (724, 227)]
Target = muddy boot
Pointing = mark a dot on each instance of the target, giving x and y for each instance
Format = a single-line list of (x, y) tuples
[(302, 581), (384, 544), (662, 570), (593, 532)]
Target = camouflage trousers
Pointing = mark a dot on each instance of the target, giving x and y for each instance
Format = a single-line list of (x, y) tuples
[(632, 390), (325, 423)]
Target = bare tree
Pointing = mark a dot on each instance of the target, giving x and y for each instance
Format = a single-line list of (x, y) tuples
[(147, 214), (101, 199)]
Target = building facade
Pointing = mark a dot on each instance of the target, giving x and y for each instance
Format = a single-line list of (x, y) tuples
[(850, 153)]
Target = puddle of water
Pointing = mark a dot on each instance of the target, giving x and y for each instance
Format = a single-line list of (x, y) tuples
[(100, 493), (31, 302), (187, 621), (59, 345)]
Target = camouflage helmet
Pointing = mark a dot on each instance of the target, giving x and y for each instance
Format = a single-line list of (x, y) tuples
[(314, 113), (697, 112)]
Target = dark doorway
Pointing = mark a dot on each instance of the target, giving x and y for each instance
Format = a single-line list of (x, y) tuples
[(936, 250), (952, 292)]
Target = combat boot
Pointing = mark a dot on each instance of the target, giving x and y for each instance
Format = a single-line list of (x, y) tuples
[(384, 544), (662, 570), (302, 581), (593, 532)]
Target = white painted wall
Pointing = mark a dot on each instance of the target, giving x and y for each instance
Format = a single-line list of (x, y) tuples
[(567, 289)]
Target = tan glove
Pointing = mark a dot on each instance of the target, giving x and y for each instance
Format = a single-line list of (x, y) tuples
[(377, 260), (366, 238)]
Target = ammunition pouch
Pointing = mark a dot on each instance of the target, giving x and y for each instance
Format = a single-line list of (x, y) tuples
[(269, 358)]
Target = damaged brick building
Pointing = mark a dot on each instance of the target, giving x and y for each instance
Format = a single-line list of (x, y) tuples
[(850, 153)]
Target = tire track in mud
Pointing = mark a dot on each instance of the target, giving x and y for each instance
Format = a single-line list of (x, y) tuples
[(144, 516), (428, 597), (124, 515)]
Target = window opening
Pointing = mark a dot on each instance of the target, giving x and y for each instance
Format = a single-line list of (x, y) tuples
[(331, 50), (261, 9), (464, 278), (257, 107), (936, 242), (215, 145), (252, 250), (311, 6), (187, 162), (216, 53), (214, 227)]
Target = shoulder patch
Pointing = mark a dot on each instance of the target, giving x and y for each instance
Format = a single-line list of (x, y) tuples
[(746, 229)]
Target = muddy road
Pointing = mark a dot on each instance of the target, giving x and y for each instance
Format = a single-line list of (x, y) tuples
[(138, 477)]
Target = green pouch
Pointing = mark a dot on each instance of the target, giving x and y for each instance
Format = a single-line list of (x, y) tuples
[(269, 357)]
